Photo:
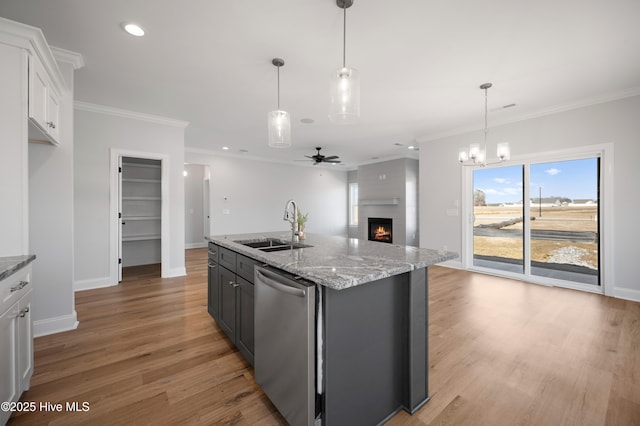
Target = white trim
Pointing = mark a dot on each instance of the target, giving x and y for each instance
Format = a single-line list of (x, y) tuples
[(101, 109), (195, 245), (67, 56), (55, 325), (605, 152), (610, 97), (93, 283), (165, 228), (627, 294), (31, 38), (175, 272)]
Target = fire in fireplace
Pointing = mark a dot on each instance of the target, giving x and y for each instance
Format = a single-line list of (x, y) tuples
[(380, 229)]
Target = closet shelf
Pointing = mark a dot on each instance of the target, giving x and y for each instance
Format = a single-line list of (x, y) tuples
[(140, 237), (140, 217), (141, 198)]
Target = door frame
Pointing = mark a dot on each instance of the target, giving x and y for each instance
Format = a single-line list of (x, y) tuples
[(606, 251), (115, 234)]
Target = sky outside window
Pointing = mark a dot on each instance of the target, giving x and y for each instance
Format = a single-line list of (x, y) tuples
[(574, 179)]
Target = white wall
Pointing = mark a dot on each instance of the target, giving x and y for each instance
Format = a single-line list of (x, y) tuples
[(255, 194), (51, 224), (193, 205), (614, 122), (96, 134)]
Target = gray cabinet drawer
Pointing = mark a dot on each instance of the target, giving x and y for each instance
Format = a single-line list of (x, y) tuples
[(244, 267), (227, 258), (213, 252)]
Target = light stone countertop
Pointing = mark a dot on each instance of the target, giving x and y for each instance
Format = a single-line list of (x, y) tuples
[(12, 264), (337, 262)]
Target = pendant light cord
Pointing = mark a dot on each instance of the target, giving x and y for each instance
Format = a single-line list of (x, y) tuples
[(278, 87), (344, 36), (485, 117)]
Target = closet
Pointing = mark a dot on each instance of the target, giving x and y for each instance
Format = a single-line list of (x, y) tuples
[(141, 207)]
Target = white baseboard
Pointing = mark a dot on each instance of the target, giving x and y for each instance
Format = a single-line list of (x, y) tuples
[(175, 272), (627, 294), (48, 326), (93, 283), (455, 264), (203, 244)]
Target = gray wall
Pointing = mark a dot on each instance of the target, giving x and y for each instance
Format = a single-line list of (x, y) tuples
[(193, 206), (51, 218), (95, 135), (385, 181), (254, 194), (613, 122)]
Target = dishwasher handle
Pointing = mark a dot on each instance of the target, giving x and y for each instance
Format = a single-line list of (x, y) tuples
[(274, 281)]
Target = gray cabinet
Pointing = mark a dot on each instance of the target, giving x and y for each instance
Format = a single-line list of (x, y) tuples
[(213, 283), (230, 296)]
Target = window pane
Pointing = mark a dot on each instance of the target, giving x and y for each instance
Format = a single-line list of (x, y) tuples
[(564, 220), (498, 214), (353, 204)]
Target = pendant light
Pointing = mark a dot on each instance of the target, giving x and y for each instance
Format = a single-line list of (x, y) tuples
[(278, 121), (345, 82), (478, 154)]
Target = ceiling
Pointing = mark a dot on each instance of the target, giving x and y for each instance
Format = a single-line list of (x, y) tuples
[(421, 62)]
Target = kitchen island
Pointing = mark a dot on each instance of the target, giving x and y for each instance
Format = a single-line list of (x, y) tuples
[(371, 317)]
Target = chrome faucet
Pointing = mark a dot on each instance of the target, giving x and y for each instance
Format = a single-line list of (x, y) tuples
[(294, 223)]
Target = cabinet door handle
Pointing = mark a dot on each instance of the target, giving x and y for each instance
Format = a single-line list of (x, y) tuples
[(23, 312), (51, 124), (20, 286), (233, 284)]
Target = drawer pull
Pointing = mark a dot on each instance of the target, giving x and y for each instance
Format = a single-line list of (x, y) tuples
[(213, 253), (212, 265), (20, 286)]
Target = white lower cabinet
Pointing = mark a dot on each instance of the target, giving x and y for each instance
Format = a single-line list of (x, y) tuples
[(16, 338)]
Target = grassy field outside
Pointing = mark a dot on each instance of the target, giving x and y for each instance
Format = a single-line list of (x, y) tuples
[(557, 218)]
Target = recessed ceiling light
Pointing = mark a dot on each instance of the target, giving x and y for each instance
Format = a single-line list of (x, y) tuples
[(225, 148), (133, 29), (306, 120), (244, 150), (397, 144)]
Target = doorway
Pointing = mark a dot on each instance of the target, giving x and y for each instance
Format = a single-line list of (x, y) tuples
[(139, 211), (141, 207), (540, 220)]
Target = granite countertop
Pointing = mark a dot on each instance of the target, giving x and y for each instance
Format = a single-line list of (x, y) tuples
[(337, 262), (12, 264)]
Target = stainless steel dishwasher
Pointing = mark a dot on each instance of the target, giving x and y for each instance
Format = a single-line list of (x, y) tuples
[(285, 310)]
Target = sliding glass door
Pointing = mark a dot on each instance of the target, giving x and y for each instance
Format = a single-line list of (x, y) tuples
[(564, 212), (553, 234), (498, 211)]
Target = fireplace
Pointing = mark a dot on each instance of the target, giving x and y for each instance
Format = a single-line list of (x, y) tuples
[(380, 229)]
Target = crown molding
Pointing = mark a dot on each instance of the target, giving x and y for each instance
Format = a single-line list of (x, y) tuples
[(67, 56), (101, 109), (32, 39), (610, 97)]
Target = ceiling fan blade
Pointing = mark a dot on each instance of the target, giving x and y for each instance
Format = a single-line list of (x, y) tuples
[(333, 161), (312, 157), (332, 157)]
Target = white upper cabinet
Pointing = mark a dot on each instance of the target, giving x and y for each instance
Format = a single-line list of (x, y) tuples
[(44, 104)]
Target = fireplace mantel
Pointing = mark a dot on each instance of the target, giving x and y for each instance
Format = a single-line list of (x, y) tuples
[(380, 202)]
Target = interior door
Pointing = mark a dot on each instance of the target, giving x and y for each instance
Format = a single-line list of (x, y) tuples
[(120, 219)]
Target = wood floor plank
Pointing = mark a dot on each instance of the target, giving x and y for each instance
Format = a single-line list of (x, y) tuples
[(501, 352)]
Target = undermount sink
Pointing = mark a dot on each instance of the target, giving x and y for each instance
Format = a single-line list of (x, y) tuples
[(271, 244)]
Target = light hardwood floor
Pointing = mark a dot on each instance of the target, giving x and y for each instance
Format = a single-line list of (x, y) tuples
[(502, 352)]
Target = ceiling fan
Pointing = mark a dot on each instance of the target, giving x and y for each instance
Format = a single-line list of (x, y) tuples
[(319, 158)]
